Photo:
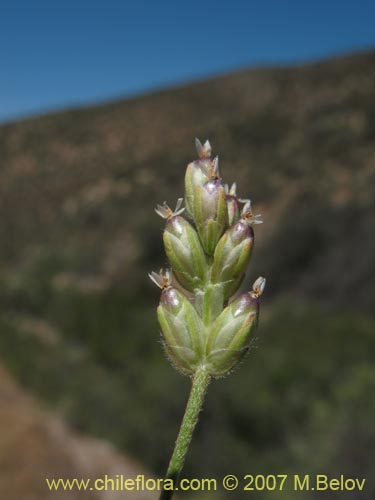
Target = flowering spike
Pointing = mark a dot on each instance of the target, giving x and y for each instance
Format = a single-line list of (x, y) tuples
[(209, 256), (204, 151)]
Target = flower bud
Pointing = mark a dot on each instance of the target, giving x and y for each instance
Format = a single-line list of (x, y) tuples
[(210, 213), (229, 338), (182, 330), (197, 173), (231, 257), (185, 253)]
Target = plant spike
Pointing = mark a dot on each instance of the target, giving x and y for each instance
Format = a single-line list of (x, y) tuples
[(205, 337)]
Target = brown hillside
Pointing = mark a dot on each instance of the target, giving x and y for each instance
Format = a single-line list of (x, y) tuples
[(35, 445), (79, 187)]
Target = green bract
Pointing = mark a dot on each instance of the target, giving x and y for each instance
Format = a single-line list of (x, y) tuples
[(210, 213), (197, 173), (209, 255), (229, 337), (182, 330), (231, 257), (185, 253)]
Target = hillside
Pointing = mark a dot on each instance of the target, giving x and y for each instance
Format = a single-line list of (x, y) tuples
[(35, 437), (78, 188), (79, 234)]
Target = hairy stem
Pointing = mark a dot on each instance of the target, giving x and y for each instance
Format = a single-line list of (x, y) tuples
[(194, 405)]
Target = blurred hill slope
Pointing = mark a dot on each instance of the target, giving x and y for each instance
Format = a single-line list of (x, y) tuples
[(77, 188), (36, 446)]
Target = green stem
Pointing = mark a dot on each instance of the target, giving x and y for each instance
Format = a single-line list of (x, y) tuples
[(194, 405)]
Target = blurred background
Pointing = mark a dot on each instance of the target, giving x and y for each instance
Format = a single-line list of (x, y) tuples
[(99, 107)]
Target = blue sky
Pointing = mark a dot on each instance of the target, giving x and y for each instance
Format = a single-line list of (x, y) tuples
[(66, 53)]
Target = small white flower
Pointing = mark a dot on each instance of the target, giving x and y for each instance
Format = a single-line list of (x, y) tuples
[(166, 212), (163, 279), (248, 216)]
